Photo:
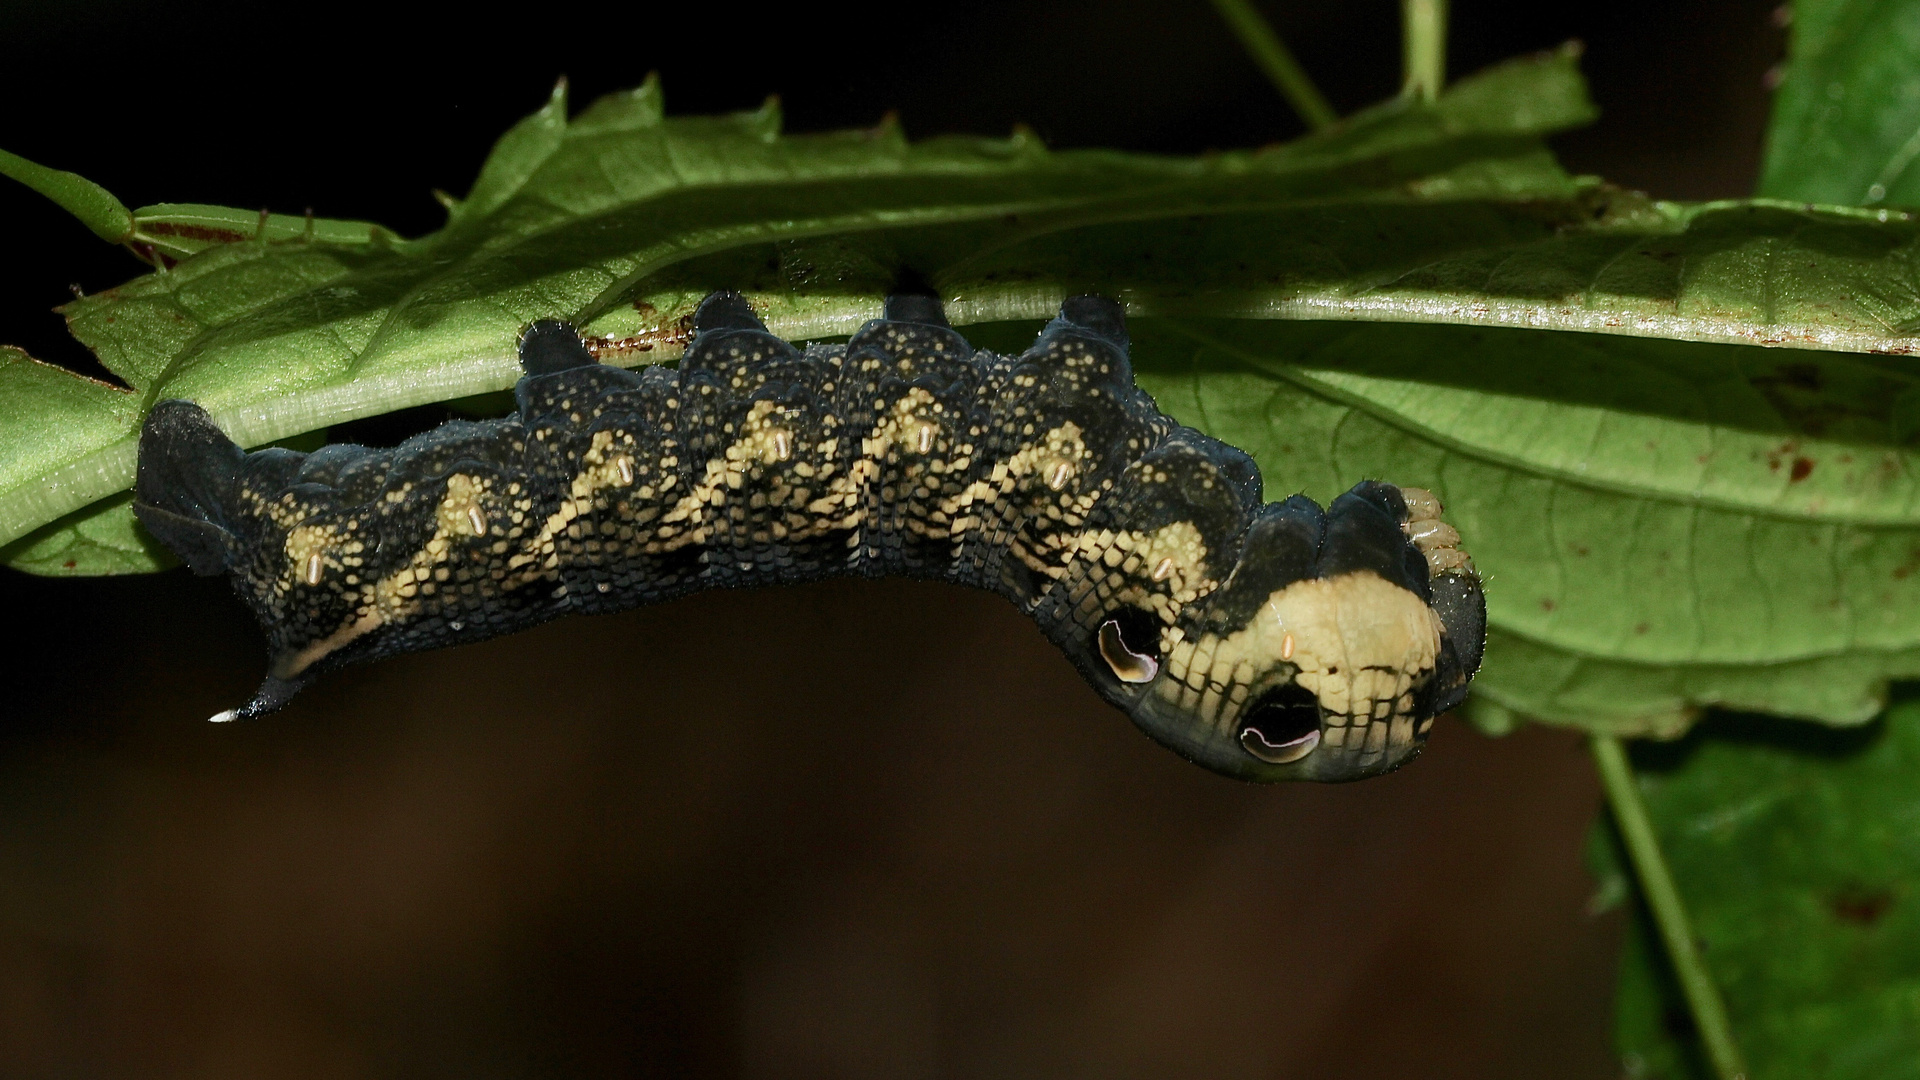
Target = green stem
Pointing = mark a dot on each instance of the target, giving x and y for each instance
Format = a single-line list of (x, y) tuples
[(1424, 24), (1669, 913), (1272, 56), (94, 205)]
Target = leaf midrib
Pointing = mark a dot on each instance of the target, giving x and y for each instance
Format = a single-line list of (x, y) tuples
[(1303, 378)]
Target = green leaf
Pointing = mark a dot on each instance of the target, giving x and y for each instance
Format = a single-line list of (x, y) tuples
[(101, 539), (1799, 854), (1846, 121), (1662, 525), (620, 218), (57, 423), (1669, 517)]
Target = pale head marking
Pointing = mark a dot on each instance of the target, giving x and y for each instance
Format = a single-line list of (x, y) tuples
[(782, 444), (313, 566), (1058, 474), (623, 466), (923, 439), (223, 716), (1164, 570), (1286, 647), (478, 520)]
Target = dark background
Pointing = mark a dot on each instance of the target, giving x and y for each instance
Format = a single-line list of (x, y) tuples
[(848, 830)]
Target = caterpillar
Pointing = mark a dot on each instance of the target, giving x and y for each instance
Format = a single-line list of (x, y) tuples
[(1263, 641)]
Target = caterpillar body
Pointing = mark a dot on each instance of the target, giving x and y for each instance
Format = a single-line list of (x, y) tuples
[(1266, 642)]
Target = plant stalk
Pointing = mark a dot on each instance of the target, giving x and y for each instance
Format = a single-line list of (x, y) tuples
[(94, 205), (1424, 24), (1663, 899), (1277, 61)]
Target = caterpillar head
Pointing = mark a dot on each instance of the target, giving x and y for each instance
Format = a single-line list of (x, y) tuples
[(1326, 653)]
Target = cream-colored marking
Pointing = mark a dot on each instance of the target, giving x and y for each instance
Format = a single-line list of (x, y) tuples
[(1286, 647), (782, 444), (923, 439), (368, 621), (1435, 539), (1177, 551), (1421, 503), (396, 596), (1357, 639), (460, 512), (307, 548), (1064, 442), (1432, 533), (1058, 474), (539, 553)]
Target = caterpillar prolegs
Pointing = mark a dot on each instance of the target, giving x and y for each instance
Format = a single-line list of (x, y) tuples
[(1266, 642)]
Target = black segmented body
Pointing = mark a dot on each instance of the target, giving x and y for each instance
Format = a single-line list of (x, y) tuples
[(1266, 642)]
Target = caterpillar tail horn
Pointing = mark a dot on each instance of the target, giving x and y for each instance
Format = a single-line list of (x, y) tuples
[(273, 694)]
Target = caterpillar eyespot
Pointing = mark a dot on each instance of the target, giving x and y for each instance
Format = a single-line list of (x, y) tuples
[(1266, 642), (1130, 662)]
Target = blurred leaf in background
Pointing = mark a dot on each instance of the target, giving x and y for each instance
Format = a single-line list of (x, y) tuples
[(1798, 850), (1846, 118)]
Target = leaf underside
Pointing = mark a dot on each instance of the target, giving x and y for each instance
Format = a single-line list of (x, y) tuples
[(1668, 517)]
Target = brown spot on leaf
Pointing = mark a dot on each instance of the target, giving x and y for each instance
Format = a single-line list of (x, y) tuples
[(1546, 604), (1860, 906), (1639, 628), (1802, 468), (1908, 565)]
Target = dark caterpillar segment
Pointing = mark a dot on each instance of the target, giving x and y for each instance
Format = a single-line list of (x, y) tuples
[(1168, 530), (912, 390), (195, 470), (911, 384), (1067, 425), (1363, 534), (1268, 643)]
